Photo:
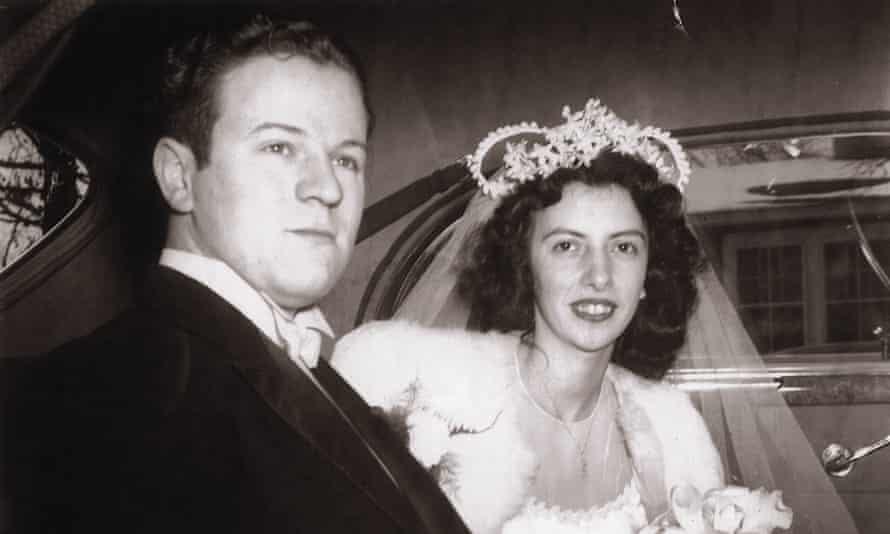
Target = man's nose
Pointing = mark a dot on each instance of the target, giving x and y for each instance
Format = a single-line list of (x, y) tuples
[(599, 271), (319, 181)]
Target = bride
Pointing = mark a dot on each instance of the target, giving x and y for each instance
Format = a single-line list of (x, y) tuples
[(580, 279)]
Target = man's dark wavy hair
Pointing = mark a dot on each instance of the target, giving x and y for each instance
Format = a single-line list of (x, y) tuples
[(194, 67), (496, 279)]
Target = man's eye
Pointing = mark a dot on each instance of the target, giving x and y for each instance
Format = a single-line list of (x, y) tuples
[(347, 163), (279, 148)]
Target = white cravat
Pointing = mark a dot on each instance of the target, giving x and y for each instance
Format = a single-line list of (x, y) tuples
[(296, 335), (299, 334)]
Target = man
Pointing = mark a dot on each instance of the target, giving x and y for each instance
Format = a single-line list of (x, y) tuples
[(207, 407)]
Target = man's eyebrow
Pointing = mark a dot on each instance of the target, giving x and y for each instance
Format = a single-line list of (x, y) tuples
[(299, 131), (276, 126), (354, 143)]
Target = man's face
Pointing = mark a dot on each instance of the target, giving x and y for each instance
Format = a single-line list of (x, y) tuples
[(281, 197)]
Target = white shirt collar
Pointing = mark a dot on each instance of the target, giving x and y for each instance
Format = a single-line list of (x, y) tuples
[(225, 282)]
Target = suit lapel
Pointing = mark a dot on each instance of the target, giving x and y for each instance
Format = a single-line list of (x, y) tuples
[(293, 396), (280, 383)]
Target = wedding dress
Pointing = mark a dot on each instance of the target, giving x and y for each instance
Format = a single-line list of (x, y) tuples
[(505, 462)]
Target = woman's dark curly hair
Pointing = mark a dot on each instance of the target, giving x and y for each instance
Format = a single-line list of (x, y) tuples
[(496, 280)]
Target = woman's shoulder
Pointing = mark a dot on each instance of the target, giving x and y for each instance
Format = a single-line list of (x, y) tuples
[(626, 380), (405, 340), (403, 330), (458, 386), (658, 396), (658, 415), (382, 355), (663, 403)]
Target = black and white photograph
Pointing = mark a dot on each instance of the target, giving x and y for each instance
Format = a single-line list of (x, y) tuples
[(445, 266)]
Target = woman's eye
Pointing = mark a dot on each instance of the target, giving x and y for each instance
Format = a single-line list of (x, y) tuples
[(564, 246), (626, 247)]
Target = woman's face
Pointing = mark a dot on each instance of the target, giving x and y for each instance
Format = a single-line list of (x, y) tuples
[(588, 254)]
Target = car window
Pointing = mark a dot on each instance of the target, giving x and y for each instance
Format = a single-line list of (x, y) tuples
[(41, 186), (796, 230)]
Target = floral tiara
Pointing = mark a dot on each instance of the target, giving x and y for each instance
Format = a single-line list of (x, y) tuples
[(575, 143)]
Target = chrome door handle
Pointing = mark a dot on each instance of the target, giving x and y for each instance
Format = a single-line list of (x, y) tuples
[(838, 460)]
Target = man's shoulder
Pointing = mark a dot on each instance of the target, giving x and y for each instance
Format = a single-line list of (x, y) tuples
[(139, 336), (137, 363), (123, 406)]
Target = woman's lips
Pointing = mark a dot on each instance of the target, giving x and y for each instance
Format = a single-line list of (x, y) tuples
[(594, 309)]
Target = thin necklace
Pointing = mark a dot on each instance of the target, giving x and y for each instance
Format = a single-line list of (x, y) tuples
[(581, 448)]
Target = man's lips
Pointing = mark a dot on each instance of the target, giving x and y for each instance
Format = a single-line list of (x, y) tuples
[(594, 309), (321, 233)]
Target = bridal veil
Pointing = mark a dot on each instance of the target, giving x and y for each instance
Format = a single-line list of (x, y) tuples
[(758, 435)]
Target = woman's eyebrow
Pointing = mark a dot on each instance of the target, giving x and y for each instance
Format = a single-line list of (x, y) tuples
[(562, 230), (624, 233), (574, 233)]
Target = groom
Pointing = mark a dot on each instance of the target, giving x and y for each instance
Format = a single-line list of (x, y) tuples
[(209, 406)]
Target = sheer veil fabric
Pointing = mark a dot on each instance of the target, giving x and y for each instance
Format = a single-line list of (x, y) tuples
[(759, 438), (433, 301), (758, 435)]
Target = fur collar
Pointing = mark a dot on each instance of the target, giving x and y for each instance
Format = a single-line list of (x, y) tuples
[(464, 378)]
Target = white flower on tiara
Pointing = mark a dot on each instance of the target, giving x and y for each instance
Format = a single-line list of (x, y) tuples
[(577, 142)]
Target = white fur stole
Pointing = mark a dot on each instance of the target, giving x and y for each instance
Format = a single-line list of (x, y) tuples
[(458, 383)]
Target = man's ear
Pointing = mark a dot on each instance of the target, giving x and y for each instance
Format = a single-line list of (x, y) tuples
[(175, 168)]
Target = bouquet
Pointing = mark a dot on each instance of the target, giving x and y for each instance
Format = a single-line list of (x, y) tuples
[(729, 510)]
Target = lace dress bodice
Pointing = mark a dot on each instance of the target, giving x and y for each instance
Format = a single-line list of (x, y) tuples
[(585, 480), (582, 464), (623, 515)]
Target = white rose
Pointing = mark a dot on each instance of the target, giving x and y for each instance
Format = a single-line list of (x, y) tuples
[(736, 509)]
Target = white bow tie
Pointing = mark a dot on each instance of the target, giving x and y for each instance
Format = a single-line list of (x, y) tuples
[(299, 341), (298, 336)]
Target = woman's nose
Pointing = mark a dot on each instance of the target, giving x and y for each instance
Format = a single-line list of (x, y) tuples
[(319, 181), (599, 271)]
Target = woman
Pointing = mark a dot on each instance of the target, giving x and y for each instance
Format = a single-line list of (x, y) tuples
[(582, 280)]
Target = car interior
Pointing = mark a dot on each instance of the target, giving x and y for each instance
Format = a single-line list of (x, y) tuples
[(782, 106)]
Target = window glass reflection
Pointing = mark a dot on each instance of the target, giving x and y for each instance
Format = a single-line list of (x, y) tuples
[(778, 219), (857, 302), (40, 185), (770, 296)]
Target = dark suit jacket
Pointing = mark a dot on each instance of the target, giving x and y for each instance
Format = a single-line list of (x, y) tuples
[(180, 414)]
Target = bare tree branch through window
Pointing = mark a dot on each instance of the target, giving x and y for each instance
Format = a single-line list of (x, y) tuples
[(40, 184)]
